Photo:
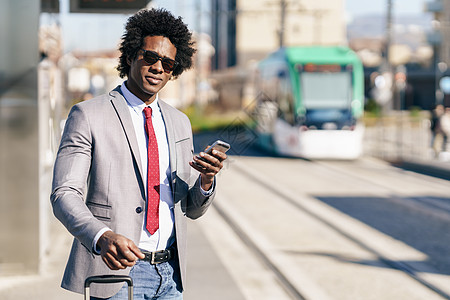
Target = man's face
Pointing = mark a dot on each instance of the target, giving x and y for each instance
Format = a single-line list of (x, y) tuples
[(144, 79)]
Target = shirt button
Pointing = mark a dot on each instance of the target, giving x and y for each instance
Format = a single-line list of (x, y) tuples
[(138, 210)]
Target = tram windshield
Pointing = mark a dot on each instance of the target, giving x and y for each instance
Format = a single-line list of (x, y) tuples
[(329, 118), (325, 90)]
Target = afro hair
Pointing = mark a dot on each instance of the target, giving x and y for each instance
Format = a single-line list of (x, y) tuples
[(156, 22)]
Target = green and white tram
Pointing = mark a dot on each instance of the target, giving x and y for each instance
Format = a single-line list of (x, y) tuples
[(315, 99)]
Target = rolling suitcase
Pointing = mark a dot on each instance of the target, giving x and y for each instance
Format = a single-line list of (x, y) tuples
[(108, 279)]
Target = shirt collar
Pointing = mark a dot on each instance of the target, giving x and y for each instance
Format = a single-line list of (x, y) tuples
[(135, 103)]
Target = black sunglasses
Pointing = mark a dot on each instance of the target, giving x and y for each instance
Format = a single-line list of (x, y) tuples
[(152, 57)]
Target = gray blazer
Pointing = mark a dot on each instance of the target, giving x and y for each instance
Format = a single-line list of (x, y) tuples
[(98, 181)]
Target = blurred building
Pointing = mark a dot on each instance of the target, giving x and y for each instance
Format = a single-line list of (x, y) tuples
[(247, 30), (410, 58), (367, 36), (440, 35), (440, 39), (244, 32), (88, 74)]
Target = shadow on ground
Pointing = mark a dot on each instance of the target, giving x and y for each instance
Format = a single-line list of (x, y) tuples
[(421, 231)]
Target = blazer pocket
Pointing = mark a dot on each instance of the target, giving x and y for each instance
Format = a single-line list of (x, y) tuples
[(183, 140), (100, 211), (184, 154)]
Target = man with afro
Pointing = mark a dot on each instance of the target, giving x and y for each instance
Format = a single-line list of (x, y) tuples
[(125, 179)]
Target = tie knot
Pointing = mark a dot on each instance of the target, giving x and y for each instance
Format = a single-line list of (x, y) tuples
[(148, 112)]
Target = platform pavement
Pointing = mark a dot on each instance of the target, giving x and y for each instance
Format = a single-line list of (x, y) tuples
[(207, 279)]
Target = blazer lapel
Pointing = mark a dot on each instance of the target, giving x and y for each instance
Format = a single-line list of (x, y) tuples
[(121, 107), (170, 138)]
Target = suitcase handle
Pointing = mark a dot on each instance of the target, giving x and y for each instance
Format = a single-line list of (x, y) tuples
[(108, 279)]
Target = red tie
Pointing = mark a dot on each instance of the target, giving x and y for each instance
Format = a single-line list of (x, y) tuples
[(152, 175)]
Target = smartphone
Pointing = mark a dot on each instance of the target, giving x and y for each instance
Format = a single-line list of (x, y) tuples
[(217, 145)]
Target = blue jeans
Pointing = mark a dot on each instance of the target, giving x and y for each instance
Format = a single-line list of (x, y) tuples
[(161, 281)]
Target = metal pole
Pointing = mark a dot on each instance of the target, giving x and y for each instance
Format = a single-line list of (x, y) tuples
[(389, 67), (388, 31), (283, 5)]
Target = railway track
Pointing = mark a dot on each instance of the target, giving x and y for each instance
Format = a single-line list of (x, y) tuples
[(360, 239)]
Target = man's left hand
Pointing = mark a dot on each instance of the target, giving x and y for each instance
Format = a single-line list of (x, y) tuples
[(208, 166)]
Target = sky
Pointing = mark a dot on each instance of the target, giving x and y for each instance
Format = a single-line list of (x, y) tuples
[(89, 32)]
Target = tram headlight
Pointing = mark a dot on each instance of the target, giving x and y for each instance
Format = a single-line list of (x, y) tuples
[(329, 126)]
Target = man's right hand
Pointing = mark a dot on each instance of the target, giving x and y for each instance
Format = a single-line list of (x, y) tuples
[(117, 251)]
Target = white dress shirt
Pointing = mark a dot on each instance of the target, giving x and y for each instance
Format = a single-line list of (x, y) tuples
[(163, 237)]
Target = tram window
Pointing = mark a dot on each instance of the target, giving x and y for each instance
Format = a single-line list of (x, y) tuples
[(325, 90), (276, 85), (319, 117), (284, 97), (269, 81)]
